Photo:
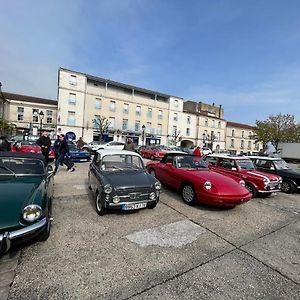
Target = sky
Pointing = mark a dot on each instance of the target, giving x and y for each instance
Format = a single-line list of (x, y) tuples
[(244, 55)]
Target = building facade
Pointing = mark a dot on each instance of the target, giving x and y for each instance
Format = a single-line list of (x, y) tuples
[(239, 138), (31, 114)]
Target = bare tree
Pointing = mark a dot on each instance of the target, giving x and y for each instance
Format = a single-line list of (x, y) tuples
[(176, 136), (101, 124)]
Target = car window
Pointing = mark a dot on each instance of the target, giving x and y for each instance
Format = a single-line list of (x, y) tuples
[(211, 160), (226, 163), (281, 164), (119, 162), (189, 162), (26, 166), (245, 164), (169, 159)]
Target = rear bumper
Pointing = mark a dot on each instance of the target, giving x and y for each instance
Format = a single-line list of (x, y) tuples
[(21, 235)]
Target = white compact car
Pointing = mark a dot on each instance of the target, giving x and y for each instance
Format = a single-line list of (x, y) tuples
[(94, 146)]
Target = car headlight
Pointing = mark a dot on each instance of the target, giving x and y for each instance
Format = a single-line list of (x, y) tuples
[(242, 182), (107, 189), (207, 185), (152, 196), (157, 185), (280, 180), (116, 199), (266, 181), (32, 212)]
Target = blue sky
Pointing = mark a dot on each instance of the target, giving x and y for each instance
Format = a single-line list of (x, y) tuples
[(244, 55)]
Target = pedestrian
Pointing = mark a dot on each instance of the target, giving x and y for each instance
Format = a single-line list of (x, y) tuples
[(45, 143), (80, 143), (197, 151), (129, 146), (56, 147), (63, 155), (5, 145)]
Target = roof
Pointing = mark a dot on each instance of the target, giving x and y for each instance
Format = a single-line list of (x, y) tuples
[(24, 98), (239, 125), (227, 156), (123, 85), (22, 155), (117, 152), (265, 157)]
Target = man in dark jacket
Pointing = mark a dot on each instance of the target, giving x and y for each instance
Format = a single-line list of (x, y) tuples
[(4, 144), (45, 143)]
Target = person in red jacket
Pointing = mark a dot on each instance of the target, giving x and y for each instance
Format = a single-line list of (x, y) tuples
[(197, 152)]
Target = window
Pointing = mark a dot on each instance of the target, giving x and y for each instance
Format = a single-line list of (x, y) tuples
[(125, 108), (227, 163), (73, 80), (176, 103), (232, 143), (206, 122), (35, 117), (242, 144), (98, 103), (232, 132), (219, 136), (49, 116), (188, 132), (111, 121), (213, 123), (71, 118), (160, 114), (96, 122), (137, 126), (174, 130), (175, 117), (72, 98), (20, 113), (249, 145), (250, 135), (138, 111), (159, 129), (149, 113), (243, 133), (112, 106), (148, 127), (188, 120), (125, 124), (219, 124)]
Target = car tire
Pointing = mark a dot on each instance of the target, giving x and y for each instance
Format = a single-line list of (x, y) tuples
[(46, 232), (251, 189), (287, 187), (100, 205), (188, 194), (152, 205)]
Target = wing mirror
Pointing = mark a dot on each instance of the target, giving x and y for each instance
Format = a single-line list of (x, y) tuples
[(168, 164), (49, 169)]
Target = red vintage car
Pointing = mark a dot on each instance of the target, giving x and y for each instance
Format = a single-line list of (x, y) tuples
[(243, 168), (30, 147), (197, 183), (154, 152)]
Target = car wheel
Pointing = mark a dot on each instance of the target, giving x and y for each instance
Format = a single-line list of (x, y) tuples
[(188, 194), (100, 205), (287, 187), (46, 232), (251, 189), (151, 206)]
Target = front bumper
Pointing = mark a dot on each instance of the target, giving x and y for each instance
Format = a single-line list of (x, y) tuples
[(124, 203), (24, 234)]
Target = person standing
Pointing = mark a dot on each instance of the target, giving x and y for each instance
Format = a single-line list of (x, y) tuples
[(80, 143), (45, 143), (5, 145), (197, 152), (63, 155), (129, 146)]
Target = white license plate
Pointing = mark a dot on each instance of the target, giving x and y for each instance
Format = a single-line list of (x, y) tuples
[(134, 206)]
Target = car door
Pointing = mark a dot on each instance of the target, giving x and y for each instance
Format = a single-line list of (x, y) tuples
[(94, 166), (228, 166), (166, 171)]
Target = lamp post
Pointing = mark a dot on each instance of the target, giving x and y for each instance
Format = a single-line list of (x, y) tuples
[(41, 115), (143, 135)]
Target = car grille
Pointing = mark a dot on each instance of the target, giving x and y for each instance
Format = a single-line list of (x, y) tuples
[(133, 194)]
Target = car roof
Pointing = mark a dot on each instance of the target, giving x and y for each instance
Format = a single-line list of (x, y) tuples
[(228, 156), (22, 155), (265, 157), (104, 152)]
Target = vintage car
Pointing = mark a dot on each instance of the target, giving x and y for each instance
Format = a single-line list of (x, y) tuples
[(197, 183), (154, 152), (96, 145), (26, 189), (119, 180), (243, 168), (278, 166), (78, 155)]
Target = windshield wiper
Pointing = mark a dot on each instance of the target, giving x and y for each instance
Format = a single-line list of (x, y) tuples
[(8, 169)]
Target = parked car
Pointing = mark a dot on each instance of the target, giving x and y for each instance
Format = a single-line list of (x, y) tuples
[(26, 189), (243, 168), (197, 183), (119, 180), (95, 146), (139, 149), (154, 152), (206, 151), (78, 155), (278, 166)]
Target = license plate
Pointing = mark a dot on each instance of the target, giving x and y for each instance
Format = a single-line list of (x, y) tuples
[(134, 206)]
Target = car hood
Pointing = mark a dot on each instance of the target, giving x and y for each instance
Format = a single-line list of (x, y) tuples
[(221, 184), (259, 174), (130, 179), (16, 193), (83, 153), (289, 173)]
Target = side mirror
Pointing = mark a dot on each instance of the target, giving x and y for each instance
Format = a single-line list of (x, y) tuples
[(168, 164), (49, 169)]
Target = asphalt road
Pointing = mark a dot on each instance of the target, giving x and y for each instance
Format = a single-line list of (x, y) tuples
[(171, 252)]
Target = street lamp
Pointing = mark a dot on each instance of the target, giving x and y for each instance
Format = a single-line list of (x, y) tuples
[(143, 135), (41, 115)]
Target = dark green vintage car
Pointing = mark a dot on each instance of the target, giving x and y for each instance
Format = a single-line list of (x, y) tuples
[(26, 192)]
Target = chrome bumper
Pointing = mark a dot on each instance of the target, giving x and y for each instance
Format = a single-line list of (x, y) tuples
[(133, 202), (7, 237)]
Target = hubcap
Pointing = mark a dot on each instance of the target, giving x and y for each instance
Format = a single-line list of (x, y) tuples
[(98, 203), (188, 194), (285, 187)]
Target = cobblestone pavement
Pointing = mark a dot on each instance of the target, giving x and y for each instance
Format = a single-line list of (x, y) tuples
[(171, 252)]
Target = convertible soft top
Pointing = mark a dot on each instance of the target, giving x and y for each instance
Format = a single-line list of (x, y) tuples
[(22, 155)]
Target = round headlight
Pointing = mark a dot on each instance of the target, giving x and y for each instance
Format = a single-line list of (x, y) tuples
[(266, 180), (32, 212), (242, 182), (152, 196), (107, 189), (157, 185), (207, 185), (116, 199)]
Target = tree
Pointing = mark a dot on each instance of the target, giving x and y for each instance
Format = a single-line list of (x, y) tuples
[(277, 129), (5, 127), (101, 124), (176, 136)]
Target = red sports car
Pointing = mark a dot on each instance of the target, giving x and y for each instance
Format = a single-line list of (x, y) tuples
[(197, 183), (154, 152)]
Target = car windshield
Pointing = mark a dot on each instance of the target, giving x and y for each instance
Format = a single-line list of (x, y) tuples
[(120, 162), (245, 164), (21, 166), (281, 164), (190, 162), (72, 147)]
